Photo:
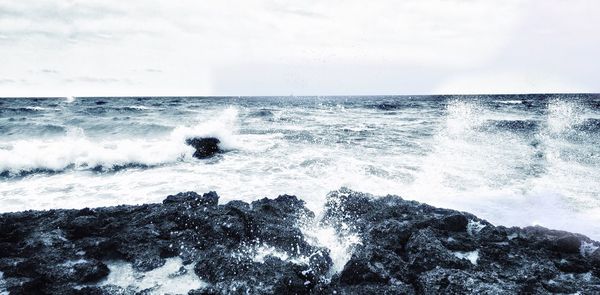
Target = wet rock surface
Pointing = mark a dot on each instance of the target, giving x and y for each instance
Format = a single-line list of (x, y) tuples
[(405, 247), (206, 147), (413, 248)]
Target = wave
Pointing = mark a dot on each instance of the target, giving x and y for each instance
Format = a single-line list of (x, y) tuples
[(395, 105), (76, 151), (100, 108), (591, 125), (22, 110), (563, 115), (31, 129), (387, 106), (262, 113), (512, 125), (509, 101), (133, 108)]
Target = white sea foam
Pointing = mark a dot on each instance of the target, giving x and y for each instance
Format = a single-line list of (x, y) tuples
[(83, 153), (171, 278), (474, 227), (71, 263), (224, 127), (472, 256), (510, 101), (76, 150), (35, 108), (140, 107), (462, 116), (548, 176), (261, 252), (340, 245), (587, 249), (258, 253), (3, 290), (563, 114)]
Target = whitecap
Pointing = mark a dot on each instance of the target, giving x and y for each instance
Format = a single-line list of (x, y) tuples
[(77, 151)]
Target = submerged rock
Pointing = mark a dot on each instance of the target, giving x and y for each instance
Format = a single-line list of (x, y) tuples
[(206, 147), (405, 247)]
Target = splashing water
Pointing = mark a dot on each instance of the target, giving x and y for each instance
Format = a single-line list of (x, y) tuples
[(171, 278), (515, 160)]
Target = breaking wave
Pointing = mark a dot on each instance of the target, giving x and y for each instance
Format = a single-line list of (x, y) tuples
[(77, 151), (515, 160)]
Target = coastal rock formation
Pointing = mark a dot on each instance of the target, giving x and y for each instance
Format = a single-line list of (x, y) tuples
[(206, 147), (410, 247), (405, 247)]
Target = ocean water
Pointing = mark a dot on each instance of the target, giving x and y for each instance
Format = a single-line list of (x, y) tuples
[(512, 159)]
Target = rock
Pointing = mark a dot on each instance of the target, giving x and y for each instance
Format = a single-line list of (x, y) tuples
[(204, 291), (568, 244), (90, 271), (83, 226), (391, 234), (58, 250), (402, 247), (206, 147), (454, 222), (373, 289), (243, 275), (444, 281), (358, 271), (426, 252), (181, 197), (595, 258), (207, 199), (429, 251), (573, 265)]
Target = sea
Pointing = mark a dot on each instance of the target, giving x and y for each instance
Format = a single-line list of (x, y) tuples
[(515, 160)]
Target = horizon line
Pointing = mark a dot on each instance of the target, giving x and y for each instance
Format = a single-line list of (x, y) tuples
[(303, 96)]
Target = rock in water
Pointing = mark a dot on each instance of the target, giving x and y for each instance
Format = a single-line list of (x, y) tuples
[(206, 147)]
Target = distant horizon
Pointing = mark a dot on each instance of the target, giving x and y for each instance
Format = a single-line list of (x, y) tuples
[(316, 95)]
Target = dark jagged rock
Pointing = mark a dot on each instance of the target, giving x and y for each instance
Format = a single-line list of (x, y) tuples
[(206, 147), (62, 251), (405, 247), (193, 199), (439, 251)]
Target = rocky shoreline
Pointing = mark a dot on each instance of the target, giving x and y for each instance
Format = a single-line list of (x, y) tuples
[(402, 247)]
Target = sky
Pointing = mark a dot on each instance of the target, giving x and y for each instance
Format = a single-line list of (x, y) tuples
[(308, 47)]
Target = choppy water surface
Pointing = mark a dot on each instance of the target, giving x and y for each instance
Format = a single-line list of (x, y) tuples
[(514, 160)]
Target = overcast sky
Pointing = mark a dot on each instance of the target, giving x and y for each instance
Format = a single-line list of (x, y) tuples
[(308, 47)]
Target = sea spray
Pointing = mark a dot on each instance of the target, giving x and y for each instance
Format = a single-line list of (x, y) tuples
[(525, 163)]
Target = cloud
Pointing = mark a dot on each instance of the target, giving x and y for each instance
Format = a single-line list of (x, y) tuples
[(302, 12), (7, 81), (49, 71), (509, 83), (195, 45), (96, 80)]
